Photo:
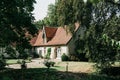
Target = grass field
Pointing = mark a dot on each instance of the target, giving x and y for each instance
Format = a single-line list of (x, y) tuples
[(61, 71), (75, 66), (52, 74), (15, 61)]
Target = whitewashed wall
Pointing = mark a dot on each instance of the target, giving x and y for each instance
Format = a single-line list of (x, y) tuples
[(64, 49)]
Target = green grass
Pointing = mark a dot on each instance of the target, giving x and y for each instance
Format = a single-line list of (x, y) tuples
[(14, 61), (76, 71), (59, 68), (52, 74)]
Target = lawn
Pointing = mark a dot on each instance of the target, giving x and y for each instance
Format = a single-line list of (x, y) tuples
[(15, 61), (60, 71), (52, 74), (75, 67)]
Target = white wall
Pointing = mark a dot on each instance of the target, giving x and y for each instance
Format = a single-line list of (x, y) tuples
[(64, 49), (40, 48)]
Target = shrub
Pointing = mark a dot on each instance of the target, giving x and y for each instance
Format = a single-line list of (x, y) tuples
[(30, 58), (2, 63), (111, 71), (64, 57), (10, 52), (48, 53), (47, 56), (23, 65), (52, 63), (49, 64), (35, 55), (73, 58), (18, 61)]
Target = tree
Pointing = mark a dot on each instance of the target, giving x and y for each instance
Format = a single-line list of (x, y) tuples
[(103, 35), (15, 21), (100, 18), (39, 24), (50, 19)]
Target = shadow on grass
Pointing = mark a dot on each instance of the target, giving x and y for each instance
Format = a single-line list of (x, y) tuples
[(112, 71), (51, 74)]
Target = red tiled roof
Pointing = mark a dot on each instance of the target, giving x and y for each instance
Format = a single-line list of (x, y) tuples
[(55, 36), (50, 32), (33, 40), (61, 37)]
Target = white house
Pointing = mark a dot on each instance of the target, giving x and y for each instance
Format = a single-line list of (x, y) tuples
[(58, 39)]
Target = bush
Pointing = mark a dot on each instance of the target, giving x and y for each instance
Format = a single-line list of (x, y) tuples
[(48, 53), (64, 57), (30, 58), (47, 56), (23, 65), (18, 61), (73, 58), (52, 63), (111, 71), (2, 63), (49, 64), (35, 55)]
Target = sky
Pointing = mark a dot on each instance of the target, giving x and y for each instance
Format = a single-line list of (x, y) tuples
[(41, 7)]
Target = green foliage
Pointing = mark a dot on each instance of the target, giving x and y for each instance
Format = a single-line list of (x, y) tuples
[(23, 65), (2, 62), (29, 58), (15, 20), (50, 19), (64, 57), (11, 52), (39, 24), (49, 64), (40, 74), (48, 53), (99, 17), (22, 53), (49, 50), (80, 52), (111, 71), (35, 55), (103, 35)]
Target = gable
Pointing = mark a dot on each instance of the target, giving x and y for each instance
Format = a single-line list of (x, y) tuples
[(50, 32), (54, 36)]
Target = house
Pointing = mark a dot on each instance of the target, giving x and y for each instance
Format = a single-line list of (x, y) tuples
[(56, 41)]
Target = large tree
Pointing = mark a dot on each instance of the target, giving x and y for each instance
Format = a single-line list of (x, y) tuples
[(15, 20), (101, 20), (16, 23), (103, 35)]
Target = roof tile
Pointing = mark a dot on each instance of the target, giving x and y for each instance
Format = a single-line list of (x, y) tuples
[(59, 36)]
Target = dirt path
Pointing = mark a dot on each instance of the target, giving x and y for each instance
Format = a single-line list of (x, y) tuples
[(36, 63), (72, 66)]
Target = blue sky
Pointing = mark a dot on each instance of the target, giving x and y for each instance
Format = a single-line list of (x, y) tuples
[(41, 7)]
